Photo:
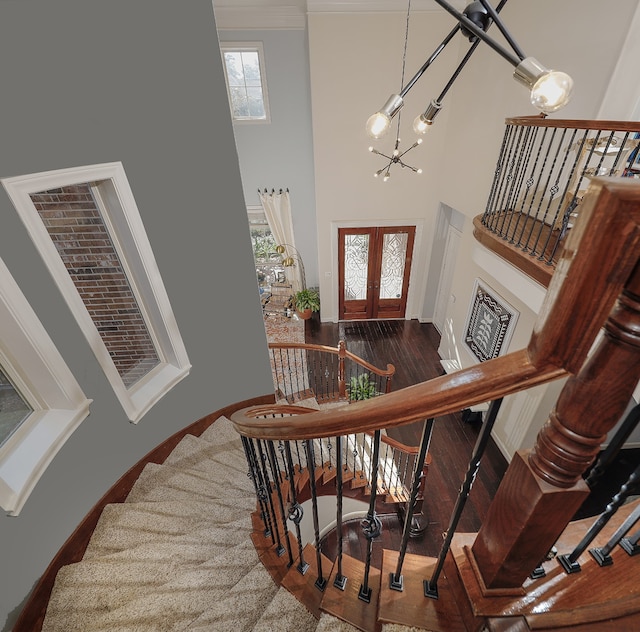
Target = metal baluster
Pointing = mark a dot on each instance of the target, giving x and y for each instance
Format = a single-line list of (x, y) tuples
[(570, 562), (431, 585), (320, 582), (504, 177), (601, 554), (340, 581), (507, 210), (523, 162), (295, 513), (284, 466), (489, 213), (630, 545), (395, 579), (329, 448), (273, 461), (261, 492), (371, 524), (280, 550), (299, 458), (615, 445)]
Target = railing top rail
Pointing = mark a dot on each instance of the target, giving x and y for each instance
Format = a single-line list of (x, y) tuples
[(388, 372), (562, 337), (538, 121)]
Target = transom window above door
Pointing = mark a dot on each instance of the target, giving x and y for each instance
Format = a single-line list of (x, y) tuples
[(246, 81)]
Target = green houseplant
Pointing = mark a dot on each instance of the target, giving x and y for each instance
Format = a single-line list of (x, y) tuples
[(361, 387), (306, 302)]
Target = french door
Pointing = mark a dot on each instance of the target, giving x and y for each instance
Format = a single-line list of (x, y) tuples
[(374, 264)]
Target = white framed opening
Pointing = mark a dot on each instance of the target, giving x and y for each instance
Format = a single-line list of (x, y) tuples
[(87, 227), (246, 79), (36, 370)]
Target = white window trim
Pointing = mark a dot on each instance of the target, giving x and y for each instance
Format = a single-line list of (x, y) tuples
[(122, 218), (37, 370), (234, 47)]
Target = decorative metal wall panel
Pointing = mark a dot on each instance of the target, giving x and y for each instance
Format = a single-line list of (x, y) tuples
[(490, 323)]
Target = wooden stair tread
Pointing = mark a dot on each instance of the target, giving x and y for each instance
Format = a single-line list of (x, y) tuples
[(593, 594), (410, 607), (276, 565), (303, 587), (345, 604)]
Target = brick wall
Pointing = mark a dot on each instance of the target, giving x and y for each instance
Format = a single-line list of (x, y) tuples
[(74, 223)]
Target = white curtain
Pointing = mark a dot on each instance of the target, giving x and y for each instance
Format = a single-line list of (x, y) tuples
[(277, 209)]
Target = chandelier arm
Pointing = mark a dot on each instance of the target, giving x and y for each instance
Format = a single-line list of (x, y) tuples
[(503, 29), (466, 58), (468, 24), (429, 61)]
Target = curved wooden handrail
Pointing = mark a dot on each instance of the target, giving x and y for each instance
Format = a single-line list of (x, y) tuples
[(563, 334), (388, 372)]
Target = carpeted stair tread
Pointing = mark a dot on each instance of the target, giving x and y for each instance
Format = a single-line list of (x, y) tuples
[(329, 623), (222, 432), (191, 450), (242, 607), (285, 614), (228, 468), (175, 604), (396, 627), (164, 482), (112, 541)]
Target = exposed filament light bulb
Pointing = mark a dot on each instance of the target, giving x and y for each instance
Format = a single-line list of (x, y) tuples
[(378, 124), (422, 123)]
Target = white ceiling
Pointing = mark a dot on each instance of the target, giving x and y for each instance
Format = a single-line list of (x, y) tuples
[(265, 14)]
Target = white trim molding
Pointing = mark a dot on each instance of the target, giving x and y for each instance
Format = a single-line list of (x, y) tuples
[(38, 372), (120, 214)]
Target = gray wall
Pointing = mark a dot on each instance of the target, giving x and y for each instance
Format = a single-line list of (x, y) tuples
[(137, 81), (280, 154)]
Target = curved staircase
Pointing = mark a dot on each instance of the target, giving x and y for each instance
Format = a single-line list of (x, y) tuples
[(177, 554)]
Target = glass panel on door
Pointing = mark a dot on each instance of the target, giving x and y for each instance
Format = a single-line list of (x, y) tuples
[(394, 251), (356, 267)]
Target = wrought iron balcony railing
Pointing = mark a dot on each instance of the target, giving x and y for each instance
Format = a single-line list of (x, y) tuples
[(542, 172)]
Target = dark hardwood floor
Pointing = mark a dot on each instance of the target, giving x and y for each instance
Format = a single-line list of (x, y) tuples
[(412, 347)]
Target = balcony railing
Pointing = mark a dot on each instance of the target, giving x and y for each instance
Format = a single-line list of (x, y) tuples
[(541, 176)]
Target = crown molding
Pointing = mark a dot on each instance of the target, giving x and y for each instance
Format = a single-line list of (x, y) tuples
[(373, 6), (245, 18), (245, 15)]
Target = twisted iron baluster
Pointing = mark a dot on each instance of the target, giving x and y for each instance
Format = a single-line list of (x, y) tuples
[(321, 582), (295, 512), (431, 585), (284, 466), (280, 550), (371, 525), (273, 461), (340, 581), (261, 492), (395, 579), (299, 458), (570, 562)]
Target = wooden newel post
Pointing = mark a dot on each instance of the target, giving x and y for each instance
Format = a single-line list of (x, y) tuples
[(543, 488)]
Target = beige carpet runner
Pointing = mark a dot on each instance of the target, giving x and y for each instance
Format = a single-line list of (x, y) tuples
[(177, 555)]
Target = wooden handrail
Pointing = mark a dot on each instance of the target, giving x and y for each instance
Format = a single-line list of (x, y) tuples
[(388, 372), (568, 323), (540, 121)]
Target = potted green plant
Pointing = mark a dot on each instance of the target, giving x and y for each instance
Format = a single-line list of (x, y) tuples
[(361, 387), (306, 302)]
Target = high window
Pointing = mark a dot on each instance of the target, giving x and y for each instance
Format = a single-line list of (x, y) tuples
[(246, 81), (88, 229)]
